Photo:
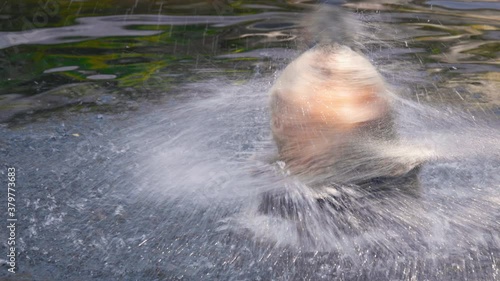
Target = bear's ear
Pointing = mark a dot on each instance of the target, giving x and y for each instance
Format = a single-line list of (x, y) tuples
[(278, 110)]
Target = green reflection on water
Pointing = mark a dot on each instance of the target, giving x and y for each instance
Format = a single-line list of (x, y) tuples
[(187, 53), (489, 51)]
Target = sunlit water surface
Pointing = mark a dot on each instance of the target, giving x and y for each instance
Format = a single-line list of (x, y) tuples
[(143, 148)]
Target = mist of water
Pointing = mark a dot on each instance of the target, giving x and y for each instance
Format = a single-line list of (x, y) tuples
[(215, 149), (212, 150)]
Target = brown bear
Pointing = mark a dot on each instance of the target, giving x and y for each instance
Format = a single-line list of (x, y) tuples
[(332, 118)]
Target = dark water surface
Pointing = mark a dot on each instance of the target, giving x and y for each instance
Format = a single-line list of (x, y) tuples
[(134, 127)]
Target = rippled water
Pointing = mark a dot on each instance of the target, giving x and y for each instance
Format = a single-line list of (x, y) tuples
[(140, 133)]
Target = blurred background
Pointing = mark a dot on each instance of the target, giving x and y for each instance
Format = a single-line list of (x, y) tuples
[(104, 55)]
